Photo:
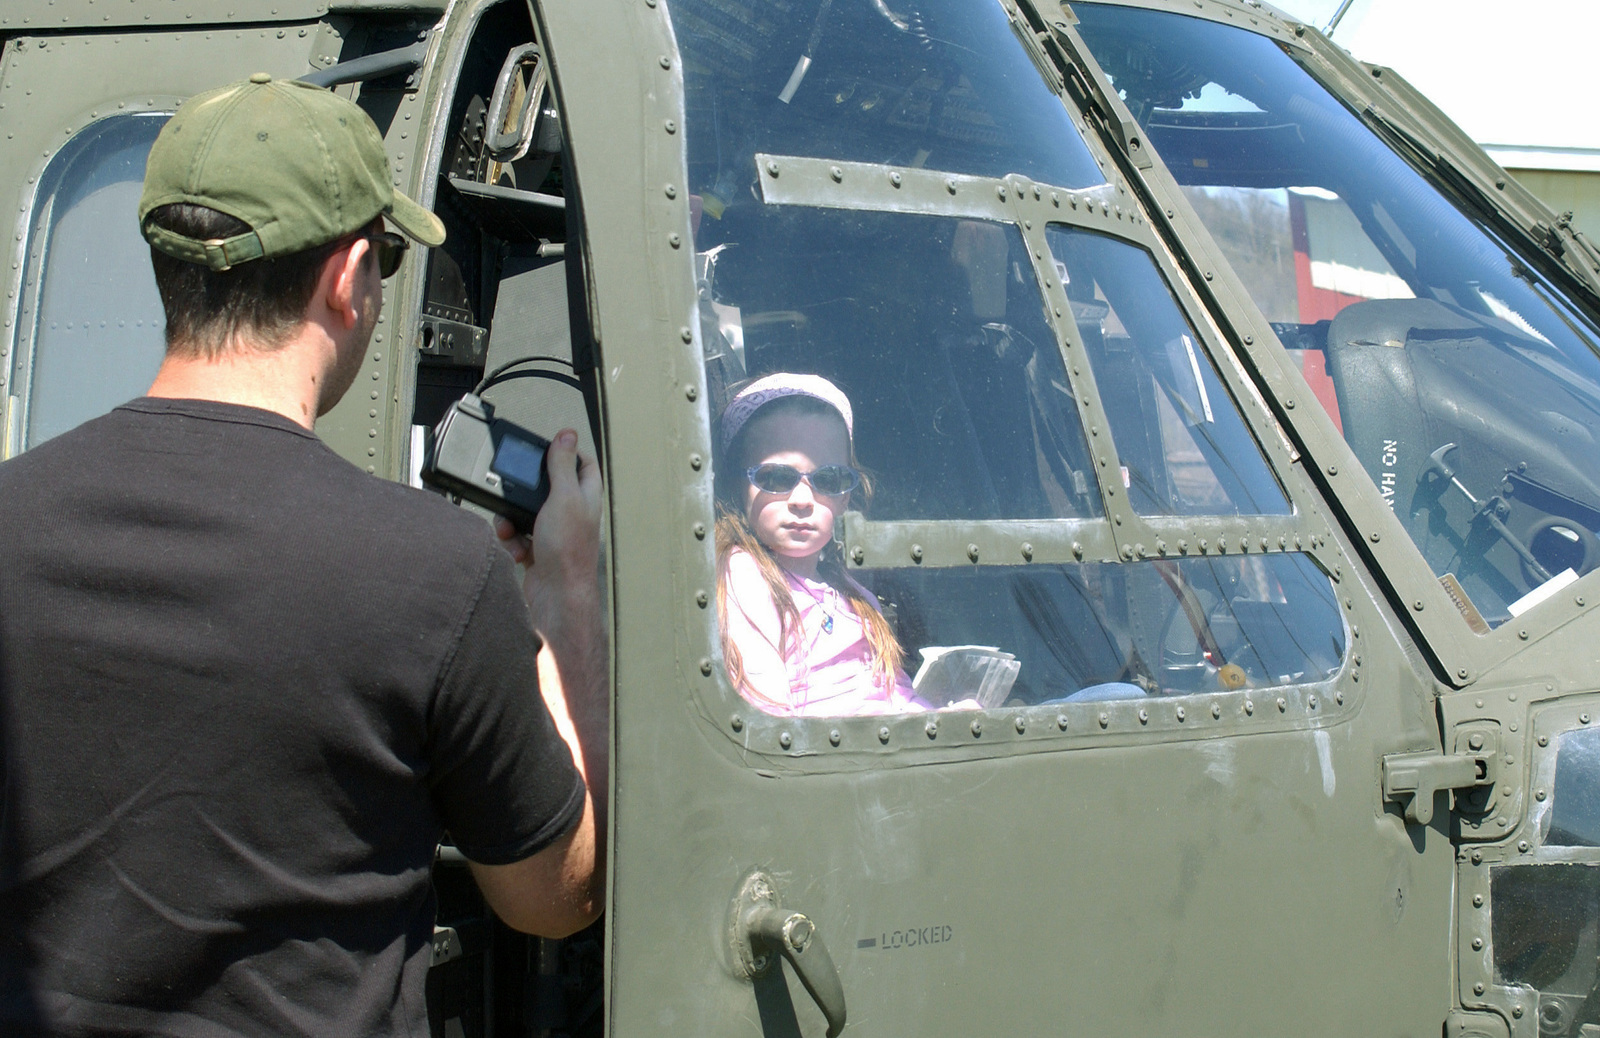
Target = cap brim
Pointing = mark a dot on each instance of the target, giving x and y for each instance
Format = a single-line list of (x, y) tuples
[(418, 224)]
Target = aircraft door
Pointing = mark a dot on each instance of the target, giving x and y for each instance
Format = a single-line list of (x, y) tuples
[(1144, 753)]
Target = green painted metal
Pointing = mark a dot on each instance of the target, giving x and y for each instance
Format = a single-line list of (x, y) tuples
[(76, 15)]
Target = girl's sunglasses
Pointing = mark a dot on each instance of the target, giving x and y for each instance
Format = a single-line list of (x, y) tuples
[(389, 249), (829, 480)]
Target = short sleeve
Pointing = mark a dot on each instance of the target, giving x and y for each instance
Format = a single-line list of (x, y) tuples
[(502, 778)]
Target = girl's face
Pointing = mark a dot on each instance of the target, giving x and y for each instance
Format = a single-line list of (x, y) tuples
[(796, 526)]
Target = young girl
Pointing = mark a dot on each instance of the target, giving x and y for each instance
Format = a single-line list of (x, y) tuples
[(798, 635)]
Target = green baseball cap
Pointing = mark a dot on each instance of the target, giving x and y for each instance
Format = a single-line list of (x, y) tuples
[(299, 164)]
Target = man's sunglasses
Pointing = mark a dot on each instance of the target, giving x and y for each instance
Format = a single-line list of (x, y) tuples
[(389, 249), (829, 480)]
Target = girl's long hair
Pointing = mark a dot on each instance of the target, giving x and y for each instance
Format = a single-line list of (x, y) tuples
[(733, 531)]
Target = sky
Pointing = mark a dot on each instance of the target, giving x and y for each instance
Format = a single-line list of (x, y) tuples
[(1507, 73)]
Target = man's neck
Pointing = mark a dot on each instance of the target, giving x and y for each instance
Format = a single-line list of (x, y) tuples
[(286, 380)]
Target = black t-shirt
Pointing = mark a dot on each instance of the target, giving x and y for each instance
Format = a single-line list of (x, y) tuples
[(245, 687)]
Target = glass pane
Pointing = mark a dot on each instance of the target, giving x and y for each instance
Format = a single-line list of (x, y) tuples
[(1098, 631), (1438, 351), (1574, 819), (945, 85), (1546, 933), (1185, 449), (98, 333), (962, 405)]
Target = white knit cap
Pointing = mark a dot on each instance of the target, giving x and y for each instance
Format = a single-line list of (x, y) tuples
[(780, 384)]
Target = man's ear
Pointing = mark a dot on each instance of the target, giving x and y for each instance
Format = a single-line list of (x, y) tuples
[(340, 284)]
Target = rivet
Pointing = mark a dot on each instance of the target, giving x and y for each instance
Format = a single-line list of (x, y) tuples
[(1027, 550), (916, 553), (1522, 845), (972, 552), (701, 599), (1283, 704), (883, 734), (785, 740), (1001, 192), (1144, 716), (705, 665), (1477, 900), (736, 723), (1181, 715), (686, 334), (1477, 857), (1539, 794), (1249, 707), (836, 173), (1461, 672), (1311, 702), (1022, 725), (1477, 989), (691, 392), (666, 62), (932, 728), (1417, 605), (1579, 600), (772, 169), (1477, 944), (1289, 403), (670, 191), (1061, 721), (1544, 740), (1248, 340), (675, 240), (1161, 547), (950, 186), (834, 736), (1523, 634), (1516, 1011), (671, 127), (1216, 711), (977, 728), (1208, 275), (1583, 718), (1105, 720), (1077, 550), (858, 555), (695, 461), (1338, 697), (699, 531), (1333, 470), (894, 178)]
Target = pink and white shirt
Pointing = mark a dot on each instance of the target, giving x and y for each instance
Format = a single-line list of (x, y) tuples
[(828, 672)]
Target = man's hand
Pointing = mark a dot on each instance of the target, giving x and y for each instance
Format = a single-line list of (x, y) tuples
[(562, 555)]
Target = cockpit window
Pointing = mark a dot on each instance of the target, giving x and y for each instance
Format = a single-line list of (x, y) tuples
[(1467, 384), (937, 84), (963, 407), (1184, 447), (90, 328)]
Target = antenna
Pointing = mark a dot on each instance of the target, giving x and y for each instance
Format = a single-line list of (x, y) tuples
[(1333, 23)]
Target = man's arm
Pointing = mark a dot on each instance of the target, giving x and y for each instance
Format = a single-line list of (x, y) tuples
[(561, 889)]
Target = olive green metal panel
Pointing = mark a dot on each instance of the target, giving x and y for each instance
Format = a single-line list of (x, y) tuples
[(984, 874), (57, 15)]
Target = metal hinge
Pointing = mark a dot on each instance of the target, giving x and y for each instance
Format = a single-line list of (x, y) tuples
[(1416, 777)]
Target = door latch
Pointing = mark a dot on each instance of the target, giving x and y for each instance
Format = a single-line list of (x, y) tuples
[(1416, 777), (761, 931)]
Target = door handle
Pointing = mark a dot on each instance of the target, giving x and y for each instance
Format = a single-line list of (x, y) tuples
[(761, 928)]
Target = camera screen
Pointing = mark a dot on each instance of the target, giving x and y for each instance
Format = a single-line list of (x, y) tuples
[(518, 460)]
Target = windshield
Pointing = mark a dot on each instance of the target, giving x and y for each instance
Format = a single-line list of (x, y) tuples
[(936, 84), (1468, 385)]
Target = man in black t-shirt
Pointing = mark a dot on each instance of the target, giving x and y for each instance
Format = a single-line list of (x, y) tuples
[(244, 687)]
